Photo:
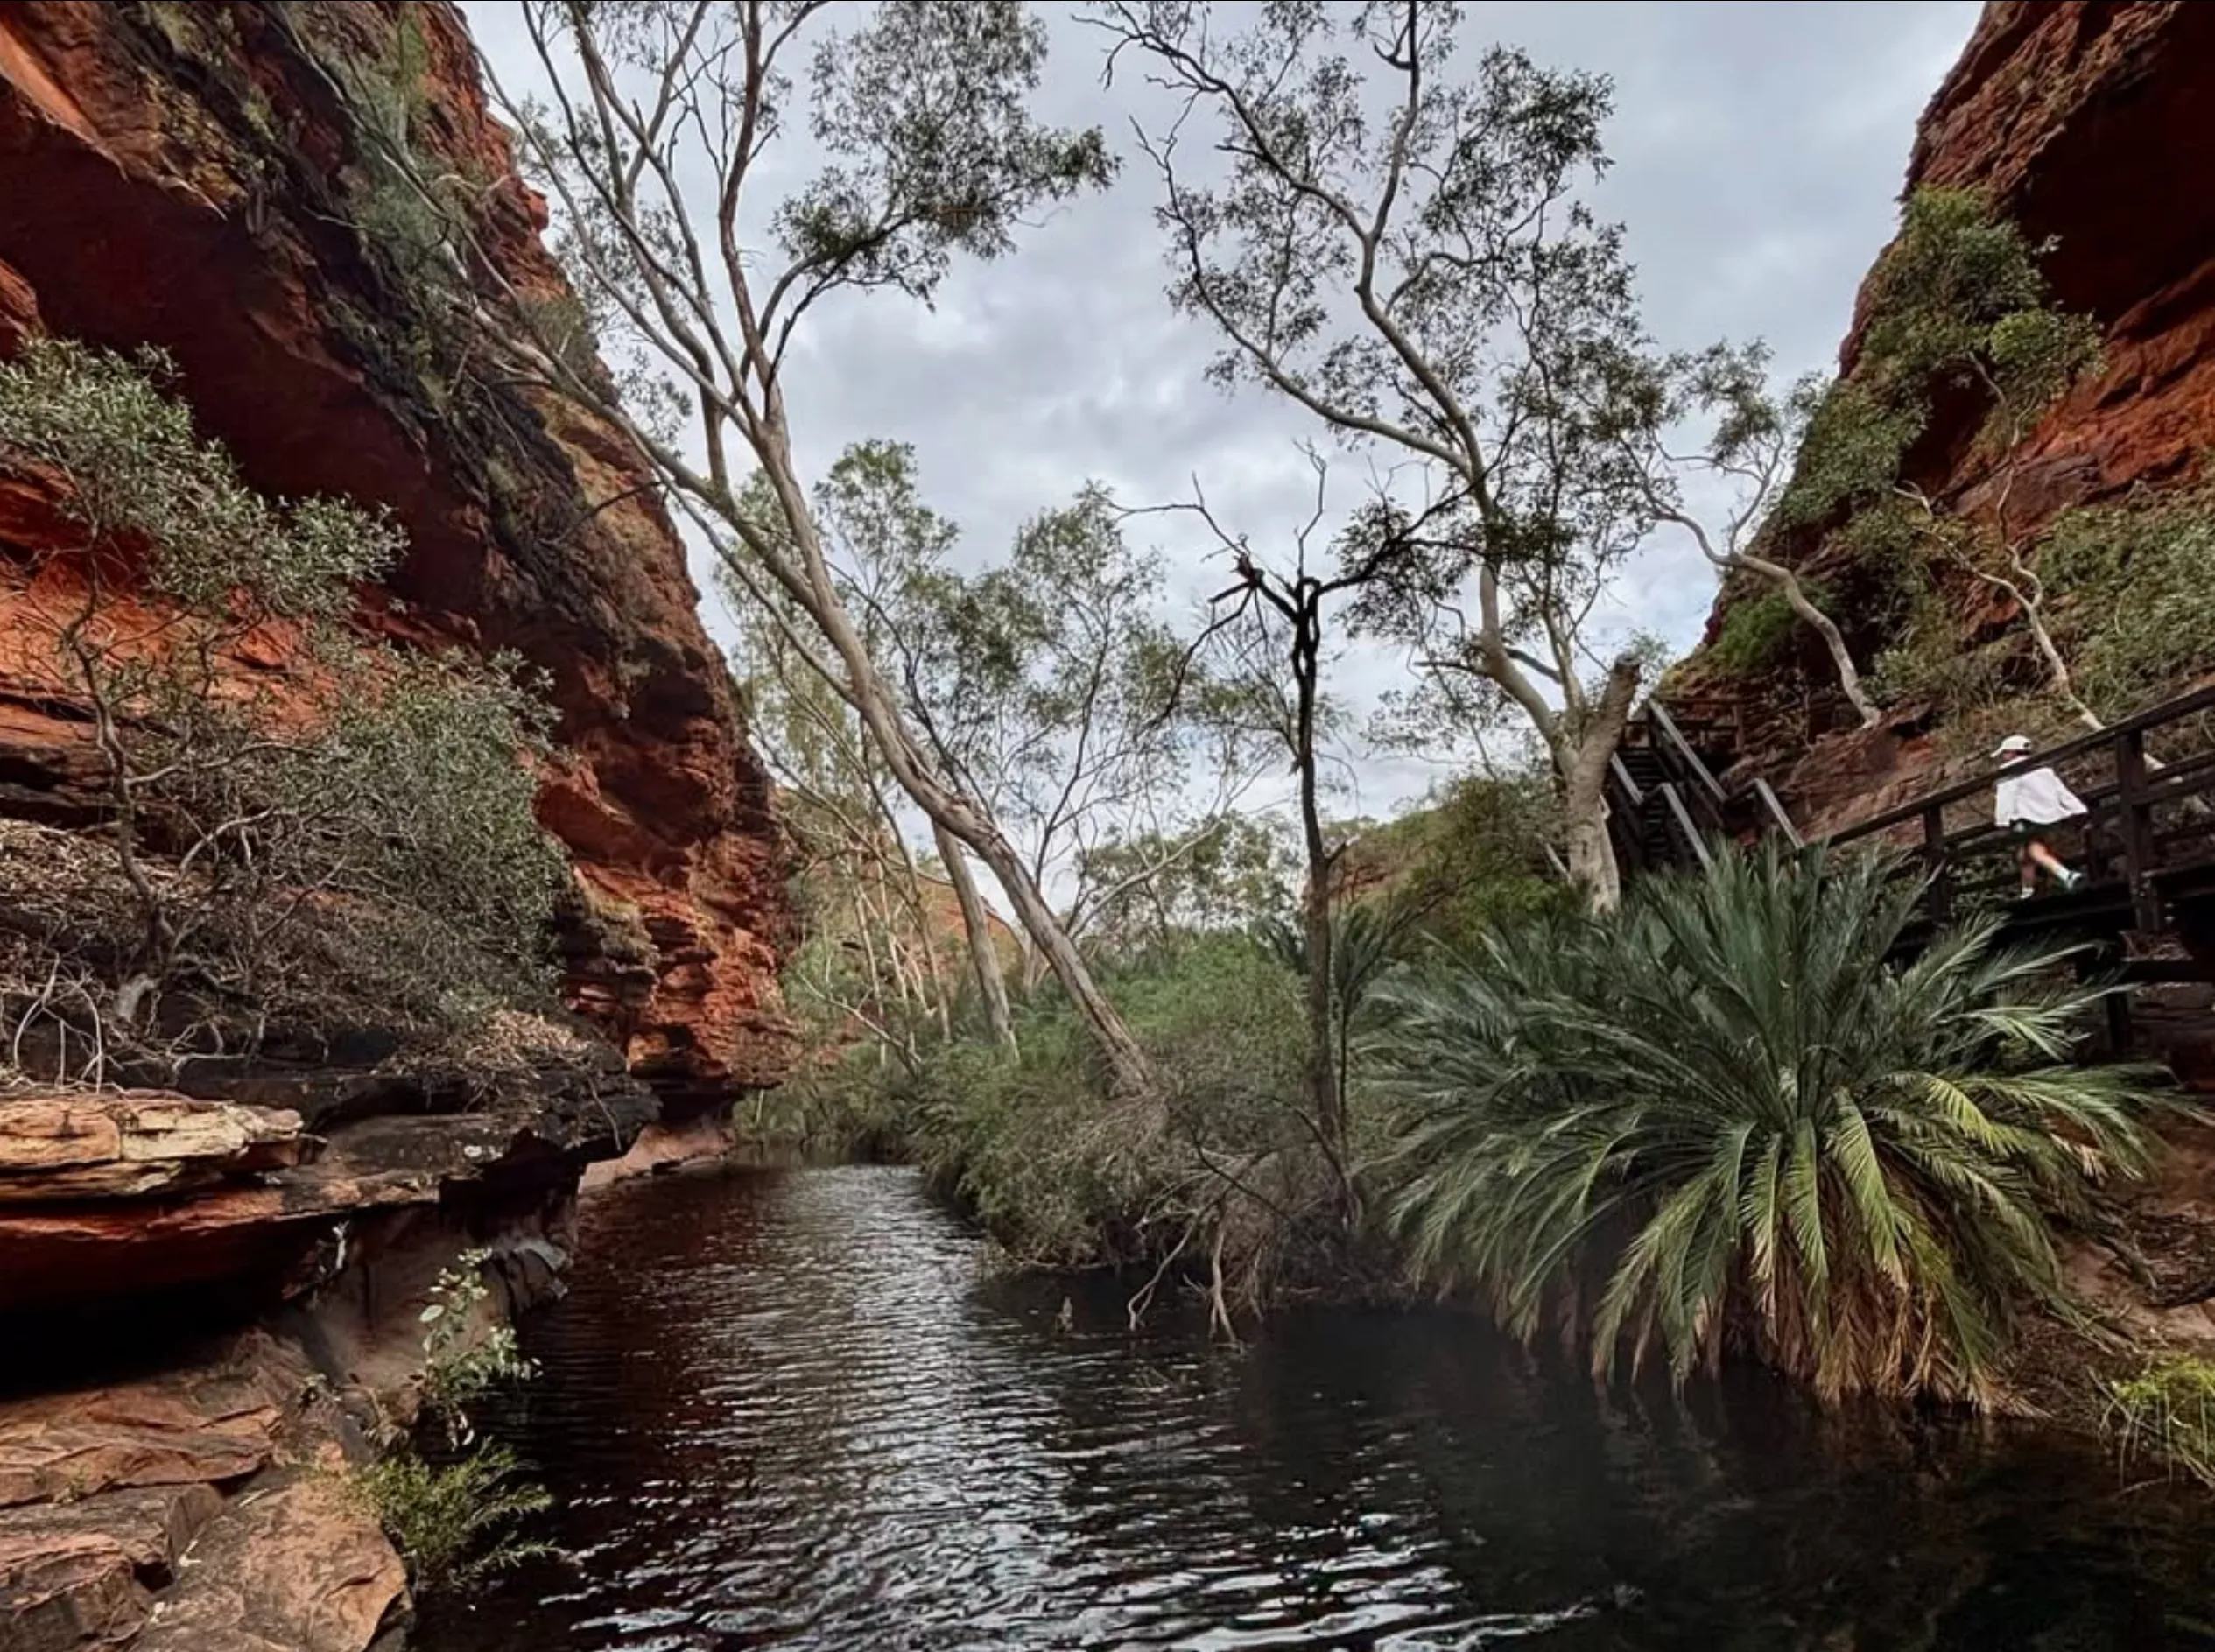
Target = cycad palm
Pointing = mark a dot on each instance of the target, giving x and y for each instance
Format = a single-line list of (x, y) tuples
[(1730, 1114)]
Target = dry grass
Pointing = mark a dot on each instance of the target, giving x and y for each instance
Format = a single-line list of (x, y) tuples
[(68, 925), (515, 1042)]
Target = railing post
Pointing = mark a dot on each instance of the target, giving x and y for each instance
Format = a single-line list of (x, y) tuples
[(2136, 817), (1934, 857)]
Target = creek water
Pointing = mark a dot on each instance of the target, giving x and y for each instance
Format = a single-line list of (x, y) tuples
[(793, 1410)]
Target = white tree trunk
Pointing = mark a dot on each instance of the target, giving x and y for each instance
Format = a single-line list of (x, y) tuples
[(1796, 599), (1581, 760), (976, 924)]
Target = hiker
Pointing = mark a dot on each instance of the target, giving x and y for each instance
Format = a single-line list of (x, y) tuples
[(2031, 805)]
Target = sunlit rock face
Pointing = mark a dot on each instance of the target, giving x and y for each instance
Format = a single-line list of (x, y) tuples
[(195, 177), (2086, 124)]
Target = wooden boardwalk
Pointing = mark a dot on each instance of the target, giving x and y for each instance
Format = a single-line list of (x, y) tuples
[(2147, 848)]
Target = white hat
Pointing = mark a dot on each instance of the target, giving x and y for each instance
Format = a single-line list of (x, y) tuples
[(2011, 745)]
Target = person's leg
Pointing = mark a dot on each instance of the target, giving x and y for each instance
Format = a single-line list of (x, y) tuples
[(2026, 864), (2050, 862)]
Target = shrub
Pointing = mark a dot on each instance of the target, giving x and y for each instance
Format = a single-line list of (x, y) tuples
[(1759, 631), (2139, 577), (1063, 1177), (462, 1359), (1726, 1119), (454, 1523), (366, 819), (2166, 1413), (1474, 854)]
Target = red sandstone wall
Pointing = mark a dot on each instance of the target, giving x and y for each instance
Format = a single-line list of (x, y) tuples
[(173, 176), (2089, 124)]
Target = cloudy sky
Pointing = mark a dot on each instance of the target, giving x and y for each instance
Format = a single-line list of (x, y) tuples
[(1759, 151)]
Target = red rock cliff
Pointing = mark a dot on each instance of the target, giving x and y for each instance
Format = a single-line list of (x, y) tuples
[(2087, 124), (194, 177)]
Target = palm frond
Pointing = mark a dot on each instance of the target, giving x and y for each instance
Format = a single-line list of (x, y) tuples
[(1730, 1117)]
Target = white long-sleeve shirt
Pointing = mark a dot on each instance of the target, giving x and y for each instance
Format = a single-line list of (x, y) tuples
[(2039, 798)]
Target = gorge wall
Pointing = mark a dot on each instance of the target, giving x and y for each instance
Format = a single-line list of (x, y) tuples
[(2085, 122), (222, 1279), (189, 177)]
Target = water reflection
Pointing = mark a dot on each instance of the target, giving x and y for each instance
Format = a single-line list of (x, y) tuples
[(783, 1409)]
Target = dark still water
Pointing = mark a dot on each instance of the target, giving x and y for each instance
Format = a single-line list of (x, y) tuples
[(787, 1409)]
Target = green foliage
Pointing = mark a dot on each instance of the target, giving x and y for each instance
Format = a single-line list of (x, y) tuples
[(925, 146), (421, 763), (463, 1360), (454, 1523), (2166, 1415), (1957, 301), (2139, 579), (135, 467), (1154, 888), (1472, 856), (931, 101), (1760, 630), (1723, 1120), (1059, 1176), (1957, 306), (368, 818)]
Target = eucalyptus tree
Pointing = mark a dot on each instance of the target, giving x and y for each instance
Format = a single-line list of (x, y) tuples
[(1154, 888), (1049, 685), (886, 551), (662, 130), (1712, 416), (1396, 245), (1074, 704)]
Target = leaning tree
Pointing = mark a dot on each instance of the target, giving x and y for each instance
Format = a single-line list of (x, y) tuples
[(662, 129)]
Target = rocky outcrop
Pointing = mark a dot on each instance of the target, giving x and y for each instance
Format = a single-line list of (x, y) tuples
[(202, 1511), (160, 1493), (210, 1284), (2086, 124), (71, 1147), (199, 178)]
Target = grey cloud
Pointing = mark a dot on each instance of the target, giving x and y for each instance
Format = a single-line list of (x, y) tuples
[(1759, 151)]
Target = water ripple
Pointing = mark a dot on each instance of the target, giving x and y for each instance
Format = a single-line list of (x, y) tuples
[(791, 1411)]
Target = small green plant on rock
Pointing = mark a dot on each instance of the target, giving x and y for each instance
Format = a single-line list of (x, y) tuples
[(455, 1522), (2166, 1415), (1758, 634), (460, 1361)]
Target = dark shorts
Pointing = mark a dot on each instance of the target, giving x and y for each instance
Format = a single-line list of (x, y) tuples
[(2027, 832)]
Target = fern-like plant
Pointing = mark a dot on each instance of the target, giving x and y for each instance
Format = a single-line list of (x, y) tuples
[(454, 1523), (1729, 1118)]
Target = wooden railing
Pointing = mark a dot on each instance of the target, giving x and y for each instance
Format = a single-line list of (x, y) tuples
[(2149, 815), (1682, 799)]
